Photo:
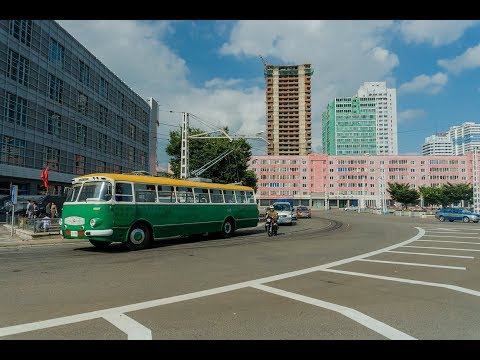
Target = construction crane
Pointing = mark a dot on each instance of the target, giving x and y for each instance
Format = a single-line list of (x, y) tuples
[(265, 64)]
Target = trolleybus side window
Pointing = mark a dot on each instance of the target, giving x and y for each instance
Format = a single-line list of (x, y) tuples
[(145, 193), (201, 195), (166, 194), (216, 195), (229, 196), (250, 197), (240, 195), (123, 192), (184, 195)]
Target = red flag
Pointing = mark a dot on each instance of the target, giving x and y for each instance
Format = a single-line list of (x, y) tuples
[(44, 177)]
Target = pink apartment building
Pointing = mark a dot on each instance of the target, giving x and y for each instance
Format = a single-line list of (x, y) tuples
[(340, 181)]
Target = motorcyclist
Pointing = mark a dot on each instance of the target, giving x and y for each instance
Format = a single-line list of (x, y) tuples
[(272, 213)]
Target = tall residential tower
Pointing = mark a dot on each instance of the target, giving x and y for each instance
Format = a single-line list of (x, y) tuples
[(289, 114), (365, 123)]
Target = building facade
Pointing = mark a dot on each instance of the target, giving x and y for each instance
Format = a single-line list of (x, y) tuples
[(289, 114), (338, 181), (365, 123), (439, 144), (465, 137), (61, 107)]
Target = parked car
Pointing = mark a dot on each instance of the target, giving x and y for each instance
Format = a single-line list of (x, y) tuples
[(459, 214), (303, 212), (284, 210), (351, 208)]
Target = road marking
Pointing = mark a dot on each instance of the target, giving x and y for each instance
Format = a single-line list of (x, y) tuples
[(415, 264), (415, 253), (445, 229), (451, 241), (133, 329), (365, 320), (439, 248), (457, 237), (409, 281), (443, 232)]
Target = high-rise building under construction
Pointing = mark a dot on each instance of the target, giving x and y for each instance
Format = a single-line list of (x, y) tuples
[(288, 105)]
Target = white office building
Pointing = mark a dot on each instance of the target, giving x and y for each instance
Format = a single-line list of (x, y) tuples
[(465, 137), (439, 144), (386, 111)]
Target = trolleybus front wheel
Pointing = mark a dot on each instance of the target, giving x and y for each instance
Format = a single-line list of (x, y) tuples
[(138, 238)]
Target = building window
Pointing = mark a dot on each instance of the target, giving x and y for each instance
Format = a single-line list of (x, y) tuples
[(103, 88), (13, 150), (82, 103), (84, 74), (81, 134), (18, 67), (132, 131), (102, 115), (57, 53), (79, 164), (131, 154), (55, 86), (51, 157), (16, 109), (54, 123), (121, 100), (21, 30)]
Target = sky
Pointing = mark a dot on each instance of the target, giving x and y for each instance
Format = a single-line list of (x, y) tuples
[(213, 69)]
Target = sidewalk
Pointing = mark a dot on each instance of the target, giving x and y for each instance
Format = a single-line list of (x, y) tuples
[(24, 237)]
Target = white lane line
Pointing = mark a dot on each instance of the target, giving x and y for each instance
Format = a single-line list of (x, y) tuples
[(415, 253), (454, 236), (445, 229), (427, 233), (43, 324), (414, 264), (439, 248), (355, 315), (452, 241), (133, 329), (409, 281)]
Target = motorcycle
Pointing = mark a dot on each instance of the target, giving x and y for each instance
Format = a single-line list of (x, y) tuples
[(271, 226)]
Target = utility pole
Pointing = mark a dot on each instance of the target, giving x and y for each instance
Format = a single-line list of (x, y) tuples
[(185, 153)]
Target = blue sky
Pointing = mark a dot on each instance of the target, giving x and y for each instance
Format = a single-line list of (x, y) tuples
[(212, 68)]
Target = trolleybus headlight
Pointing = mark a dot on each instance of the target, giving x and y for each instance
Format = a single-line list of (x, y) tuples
[(95, 222)]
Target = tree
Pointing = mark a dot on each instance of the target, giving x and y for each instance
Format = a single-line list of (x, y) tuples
[(402, 193), (454, 193), (433, 195), (231, 169)]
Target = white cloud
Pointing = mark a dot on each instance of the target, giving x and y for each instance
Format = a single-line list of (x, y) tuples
[(410, 114), (426, 84), (470, 59), (436, 32), (343, 54)]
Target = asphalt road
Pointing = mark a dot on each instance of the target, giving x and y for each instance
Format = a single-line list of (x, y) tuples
[(339, 275)]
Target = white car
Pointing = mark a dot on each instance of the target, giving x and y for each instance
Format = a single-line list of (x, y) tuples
[(351, 208), (285, 213)]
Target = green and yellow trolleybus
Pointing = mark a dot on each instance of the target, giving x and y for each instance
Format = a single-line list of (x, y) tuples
[(137, 209)]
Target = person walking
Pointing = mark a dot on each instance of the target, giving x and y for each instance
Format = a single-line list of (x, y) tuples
[(47, 209), (53, 210), (29, 210)]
